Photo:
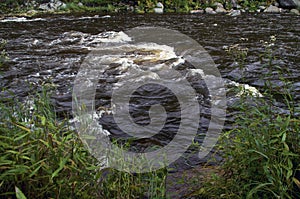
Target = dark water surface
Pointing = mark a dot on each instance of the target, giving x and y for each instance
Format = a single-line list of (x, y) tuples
[(51, 49)]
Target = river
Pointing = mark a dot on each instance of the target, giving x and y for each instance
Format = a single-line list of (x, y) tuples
[(51, 49)]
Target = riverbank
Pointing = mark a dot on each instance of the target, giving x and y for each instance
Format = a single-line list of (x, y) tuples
[(233, 8)]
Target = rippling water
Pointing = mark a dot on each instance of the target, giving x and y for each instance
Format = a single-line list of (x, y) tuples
[(51, 49)]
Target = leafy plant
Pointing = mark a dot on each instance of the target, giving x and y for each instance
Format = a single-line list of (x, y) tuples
[(42, 157), (262, 152)]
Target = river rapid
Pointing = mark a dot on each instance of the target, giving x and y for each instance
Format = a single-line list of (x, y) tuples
[(51, 49)]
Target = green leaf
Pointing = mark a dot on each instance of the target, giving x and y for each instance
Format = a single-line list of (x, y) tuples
[(287, 153), (286, 146), (19, 193), (283, 137), (258, 152), (21, 136), (61, 166), (43, 119), (256, 189), (22, 127), (297, 182)]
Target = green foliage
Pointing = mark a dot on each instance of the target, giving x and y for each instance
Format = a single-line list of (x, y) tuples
[(41, 157), (92, 6), (141, 6), (254, 4), (134, 185), (20, 194), (238, 53), (262, 154)]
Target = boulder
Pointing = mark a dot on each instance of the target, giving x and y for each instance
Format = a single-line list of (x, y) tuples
[(221, 10), (289, 4), (276, 4), (159, 5), (197, 11), (234, 13), (52, 5), (159, 8), (272, 9), (295, 11), (218, 5), (44, 6), (262, 7), (209, 10)]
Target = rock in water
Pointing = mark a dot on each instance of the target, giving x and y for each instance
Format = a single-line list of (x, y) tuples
[(272, 9)]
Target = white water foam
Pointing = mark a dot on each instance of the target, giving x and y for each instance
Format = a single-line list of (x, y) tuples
[(147, 58), (95, 17), (20, 19), (89, 41)]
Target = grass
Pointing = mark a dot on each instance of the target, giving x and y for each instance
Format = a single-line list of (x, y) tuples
[(41, 157), (262, 152), (261, 155)]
